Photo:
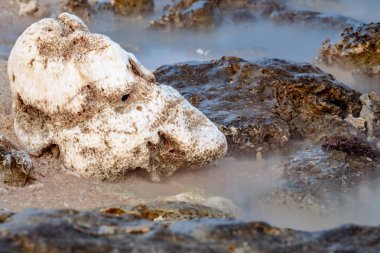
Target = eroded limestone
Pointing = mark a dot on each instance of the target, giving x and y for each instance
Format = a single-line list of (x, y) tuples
[(356, 50), (101, 107)]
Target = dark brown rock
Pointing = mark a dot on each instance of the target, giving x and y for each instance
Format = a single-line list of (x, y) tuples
[(85, 8), (351, 146), (80, 7), (133, 7), (322, 179), (5, 215), (260, 7), (241, 16), (173, 211), (312, 18), (77, 4), (16, 167), (262, 105), (207, 14), (90, 231), (167, 211), (358, 50), (371, 114), (189, 14)]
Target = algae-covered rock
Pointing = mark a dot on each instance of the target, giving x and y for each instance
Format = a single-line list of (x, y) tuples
[(358, 50)]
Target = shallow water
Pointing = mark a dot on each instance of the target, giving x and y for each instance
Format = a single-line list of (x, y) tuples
[(242, 181), (250, 42)]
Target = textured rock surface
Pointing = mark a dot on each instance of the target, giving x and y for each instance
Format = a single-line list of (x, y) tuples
[(86, 8), (169, 211), (84, 93), (133, 7), (321, 178), (83, 8), (172, 211), (262, 105), (215, 202), (312, 18), (16, 167), (351, 146), (54, 230), (199, 15), (370, 113), (206, 14), (358, 49)]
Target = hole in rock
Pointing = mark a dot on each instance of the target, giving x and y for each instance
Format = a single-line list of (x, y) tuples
[(125, 97), (52, 151)]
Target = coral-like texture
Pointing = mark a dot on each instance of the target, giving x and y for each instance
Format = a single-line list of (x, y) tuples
[(84, 93)]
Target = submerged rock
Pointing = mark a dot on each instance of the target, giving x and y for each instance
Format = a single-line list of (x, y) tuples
[(370, 113), (260, 7), (312, 18), (91, 231), (173, 211), (133, 7), (16, 167), (193, 14), (83, 8), (358, 50), (82, 92), (206, 14), (261, 105), (322, 178), (214, 202), (168, 211), (317, 4), (86, 8), (351, 146)]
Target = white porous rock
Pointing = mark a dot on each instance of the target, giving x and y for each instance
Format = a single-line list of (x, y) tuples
[(82, 92)]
